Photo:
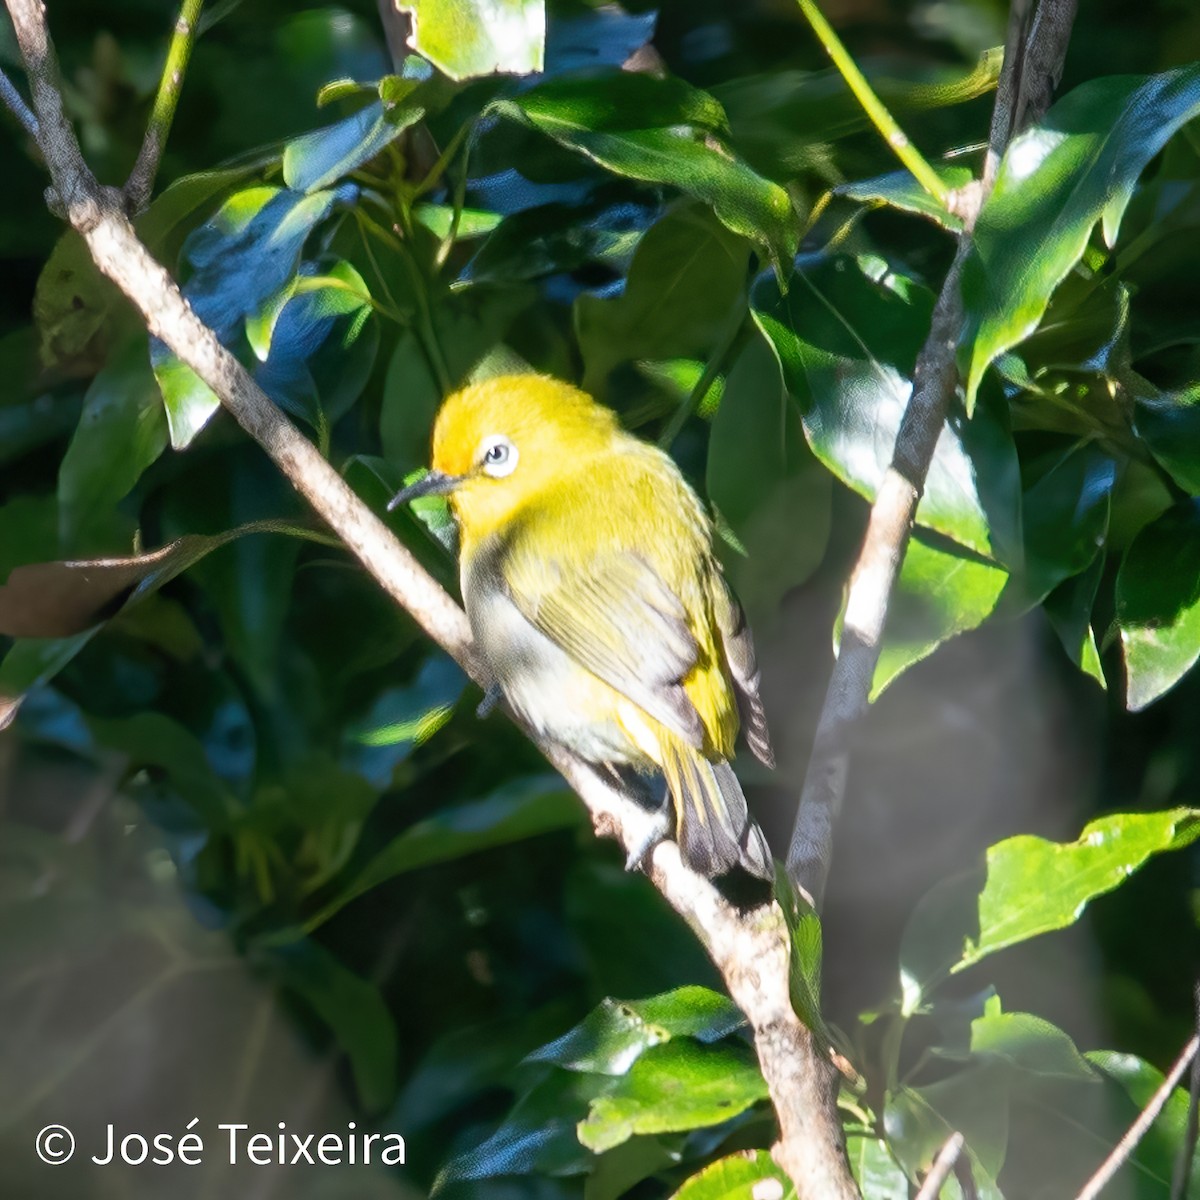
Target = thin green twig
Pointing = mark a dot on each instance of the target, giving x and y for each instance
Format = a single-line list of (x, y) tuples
[(712, 369), (883, 120), (141, 179)]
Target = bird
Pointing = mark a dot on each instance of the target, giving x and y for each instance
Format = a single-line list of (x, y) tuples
[(597, 602)]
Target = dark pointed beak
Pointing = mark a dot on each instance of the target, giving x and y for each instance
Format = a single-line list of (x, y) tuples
[(434, 483)]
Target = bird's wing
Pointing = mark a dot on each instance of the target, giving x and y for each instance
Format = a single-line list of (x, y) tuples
[(743, 666), (615, 616)]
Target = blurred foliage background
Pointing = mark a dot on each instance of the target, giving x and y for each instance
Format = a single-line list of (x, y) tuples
[(259, 860)]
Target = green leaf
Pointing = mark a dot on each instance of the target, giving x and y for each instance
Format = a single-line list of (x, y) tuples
[(523, 808), (121, 431), (1029, 886), (676, 1086), (1170, 425), (941, 592), (1056, 181), (316, 160), (240, 258), (318, 344), (1069, 608), (899, 189), (878, 1175), (783, 119), (1066, 519), (745, 1175), (686, 285), (468, 38), (847, 335), (153, 739), (616, 1032), (974, 1102), (805, 953), (1030, 1044), (1158, 604), (353, 1009), (662, 130), (537, 1138), (766, 485)]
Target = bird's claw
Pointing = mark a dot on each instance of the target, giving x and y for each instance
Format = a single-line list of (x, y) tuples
[(658, 831), (491, 698)]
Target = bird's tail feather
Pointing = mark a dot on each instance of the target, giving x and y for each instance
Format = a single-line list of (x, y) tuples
[(713, 826)]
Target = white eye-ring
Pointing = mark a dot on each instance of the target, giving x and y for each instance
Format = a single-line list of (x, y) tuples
[(498, 456)]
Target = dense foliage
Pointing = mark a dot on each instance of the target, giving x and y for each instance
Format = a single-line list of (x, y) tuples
[(260, 861)]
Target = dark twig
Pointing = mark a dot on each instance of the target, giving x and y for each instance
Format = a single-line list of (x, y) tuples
[(15, 104), (750, 948), (140, 184), (1138, 1130), (1182, 1176), (935, 379), (942, 1166)]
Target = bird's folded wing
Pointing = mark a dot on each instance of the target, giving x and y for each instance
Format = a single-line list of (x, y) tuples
[(615, 616)]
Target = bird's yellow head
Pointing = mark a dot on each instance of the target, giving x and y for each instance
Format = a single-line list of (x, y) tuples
[(498, 445)]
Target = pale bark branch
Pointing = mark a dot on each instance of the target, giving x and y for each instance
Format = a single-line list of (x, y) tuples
[(751, 949), (942, 1166), (889, 525), (1138, 1130)]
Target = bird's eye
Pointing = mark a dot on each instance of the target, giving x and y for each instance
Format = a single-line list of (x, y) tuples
[(499, 456)]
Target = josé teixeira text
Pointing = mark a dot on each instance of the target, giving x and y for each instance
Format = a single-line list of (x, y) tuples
[(237, 1143)]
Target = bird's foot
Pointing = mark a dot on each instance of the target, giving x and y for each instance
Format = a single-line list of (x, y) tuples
[(491, 698), (658, 831)]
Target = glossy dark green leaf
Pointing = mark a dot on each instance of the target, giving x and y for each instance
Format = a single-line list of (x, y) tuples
[(1065, 521), (1057, 180), (661, 130), (687, 278), (941, 591), (847, 335), (467, 38), (316, 160), (766, 485), (317, 343), (524, 808), (1170, 426), (537, 1138), (899, 189), (240, 258), (1030, 886), (612, 1036), (353, 1009), (749, 1173), (122, 430), (181, 205), (1158, 604), (1069, 608), (675, 1086)]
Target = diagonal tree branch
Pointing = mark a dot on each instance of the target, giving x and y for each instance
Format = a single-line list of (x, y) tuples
[(140, 183), (15, 103), (1025, 83), (751, 949)]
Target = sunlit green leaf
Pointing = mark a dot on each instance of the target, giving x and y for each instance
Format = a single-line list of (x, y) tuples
[(744, 1175), (678, 1085), (1158, 604), (466, 38), (899, 189), (1057, 180)]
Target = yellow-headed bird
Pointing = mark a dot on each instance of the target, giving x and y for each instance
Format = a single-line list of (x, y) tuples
[(594, 596)]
